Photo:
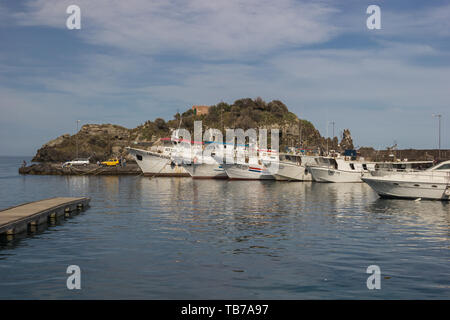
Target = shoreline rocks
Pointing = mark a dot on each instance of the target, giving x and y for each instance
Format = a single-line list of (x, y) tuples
[(91, 170)]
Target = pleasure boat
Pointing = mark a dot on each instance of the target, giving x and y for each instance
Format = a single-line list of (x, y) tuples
[(432, 183), (330, 169), (292, 168)]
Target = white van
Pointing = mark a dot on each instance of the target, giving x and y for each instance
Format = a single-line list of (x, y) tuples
[(76, 162)]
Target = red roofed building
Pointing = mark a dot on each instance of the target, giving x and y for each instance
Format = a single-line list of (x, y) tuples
[(199, 110)]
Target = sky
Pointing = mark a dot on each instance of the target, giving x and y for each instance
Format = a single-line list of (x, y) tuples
[(138, 60)]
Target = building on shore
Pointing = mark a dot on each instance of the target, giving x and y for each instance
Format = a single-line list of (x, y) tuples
[(199, 110)]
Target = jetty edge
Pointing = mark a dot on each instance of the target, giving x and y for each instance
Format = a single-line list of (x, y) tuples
[(91, 170), (18, 219)]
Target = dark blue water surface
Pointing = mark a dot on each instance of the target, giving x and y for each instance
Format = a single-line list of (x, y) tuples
[(178, 238)]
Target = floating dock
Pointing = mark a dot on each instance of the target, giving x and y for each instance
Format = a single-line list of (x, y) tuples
[(20, 218)]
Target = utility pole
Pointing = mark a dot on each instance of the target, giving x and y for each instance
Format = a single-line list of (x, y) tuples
[(76, 138), (300, 132), (221, 120), (439, 116), (328, 124), (332, 122)]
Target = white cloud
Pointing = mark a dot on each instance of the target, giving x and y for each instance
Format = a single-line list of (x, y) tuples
[(212, 28)]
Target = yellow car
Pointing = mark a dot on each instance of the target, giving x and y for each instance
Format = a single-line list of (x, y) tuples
[(110, 162)]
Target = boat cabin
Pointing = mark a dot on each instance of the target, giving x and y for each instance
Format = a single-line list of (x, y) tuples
[(403, 166)]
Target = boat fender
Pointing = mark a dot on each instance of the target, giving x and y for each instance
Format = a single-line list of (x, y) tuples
[(447, 192)]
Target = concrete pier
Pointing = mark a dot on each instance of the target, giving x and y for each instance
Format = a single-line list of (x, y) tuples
[(20, 218)]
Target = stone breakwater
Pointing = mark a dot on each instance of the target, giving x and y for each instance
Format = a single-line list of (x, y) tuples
[(91, 169)]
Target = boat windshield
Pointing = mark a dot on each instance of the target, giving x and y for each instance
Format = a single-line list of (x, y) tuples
[(291, 158), (441, 166), (403, 166)]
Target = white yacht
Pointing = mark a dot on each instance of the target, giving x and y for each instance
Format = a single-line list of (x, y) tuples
[(292, 168), (157, 163), (330, 169), (432, 183)]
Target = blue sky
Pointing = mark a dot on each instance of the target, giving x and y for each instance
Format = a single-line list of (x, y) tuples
[(142, 59)]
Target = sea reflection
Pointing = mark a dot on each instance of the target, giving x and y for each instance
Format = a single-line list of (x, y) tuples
[(426, 219), (223, 212), (178, 238)]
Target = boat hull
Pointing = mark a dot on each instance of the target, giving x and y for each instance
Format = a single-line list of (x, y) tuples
[(408, 189), (157, 165), (246, 172), (323, 174), (292, 172), (206, 171)]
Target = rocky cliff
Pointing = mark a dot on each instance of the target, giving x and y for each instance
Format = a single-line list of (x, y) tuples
[(97, 141)]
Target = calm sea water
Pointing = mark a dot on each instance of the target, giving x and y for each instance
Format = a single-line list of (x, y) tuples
[(178, 238)]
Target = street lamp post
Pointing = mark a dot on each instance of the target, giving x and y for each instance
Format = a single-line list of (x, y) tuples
[(439, 116)]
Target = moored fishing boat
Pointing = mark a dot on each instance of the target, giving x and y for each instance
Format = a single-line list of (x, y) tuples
[(292, 168), (198, 162), (205, 171), (329, 169), (157, 164), (252, 168), (247, 172)]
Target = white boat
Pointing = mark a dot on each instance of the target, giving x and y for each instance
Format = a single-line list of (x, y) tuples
[(251, 168), (432, 183), (329, 169), (201, 166), (198, 162), (292, 168), (247, 172), (205, 171), (157, 164)]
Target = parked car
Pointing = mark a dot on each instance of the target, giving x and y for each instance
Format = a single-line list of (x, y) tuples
[(110, 162), (76, 162)]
